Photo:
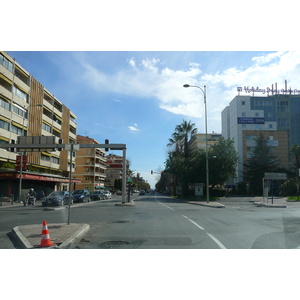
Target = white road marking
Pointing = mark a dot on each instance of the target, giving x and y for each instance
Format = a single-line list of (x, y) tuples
[(193, 222)]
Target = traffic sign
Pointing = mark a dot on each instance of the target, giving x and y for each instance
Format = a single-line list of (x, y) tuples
[(275, 176)]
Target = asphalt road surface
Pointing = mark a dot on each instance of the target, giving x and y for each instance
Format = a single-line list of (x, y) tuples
[(159, 222)]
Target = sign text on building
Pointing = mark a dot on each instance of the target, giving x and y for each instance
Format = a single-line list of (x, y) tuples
[(249, 120), (268, 90)]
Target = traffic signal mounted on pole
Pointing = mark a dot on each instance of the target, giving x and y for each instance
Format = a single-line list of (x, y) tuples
[(151, 171), (106, 142), (24, 162), (60, 141), (12, 149)]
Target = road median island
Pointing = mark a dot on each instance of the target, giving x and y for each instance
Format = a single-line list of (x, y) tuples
[(64, 236), (209, 204)]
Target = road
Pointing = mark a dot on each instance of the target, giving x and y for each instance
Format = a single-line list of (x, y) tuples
[(159, 222)]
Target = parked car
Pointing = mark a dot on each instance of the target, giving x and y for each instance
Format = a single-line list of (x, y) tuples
[(81, 196), (119, 193), (57, 198), (97, 195), (107, 194), (142, 192)]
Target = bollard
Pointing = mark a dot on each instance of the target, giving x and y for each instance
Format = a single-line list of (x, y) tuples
[(12, 199), (1, 200)]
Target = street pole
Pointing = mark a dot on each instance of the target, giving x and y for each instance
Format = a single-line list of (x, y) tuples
[(124, 177), (70, 184), (206, 149), (206, 139)]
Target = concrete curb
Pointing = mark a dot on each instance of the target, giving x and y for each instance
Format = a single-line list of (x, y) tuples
[(75, 237), (20, 239), (210, 204), (261, 204), (131, 203)]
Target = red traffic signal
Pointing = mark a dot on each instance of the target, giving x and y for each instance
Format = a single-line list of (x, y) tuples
[(24, 162)]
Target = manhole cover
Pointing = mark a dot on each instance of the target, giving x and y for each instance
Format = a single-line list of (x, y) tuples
[(121, 221), (113, 244)]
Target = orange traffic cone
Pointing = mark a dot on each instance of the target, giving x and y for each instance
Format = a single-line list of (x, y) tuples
[(45, 241)]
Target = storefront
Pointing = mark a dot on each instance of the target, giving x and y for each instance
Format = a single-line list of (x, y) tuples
[(10, 181)]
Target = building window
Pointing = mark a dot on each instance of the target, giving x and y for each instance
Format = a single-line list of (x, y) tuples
[(270, 126), (20, 93), (243, 114), (282, 106), (4, 104), (6, 63), (16, 130), (46, 127), (19, 110), (243, 103), (55, 160), (257, 114), (45, 157), (4, 125)]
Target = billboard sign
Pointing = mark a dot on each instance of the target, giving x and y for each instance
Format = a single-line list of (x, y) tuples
[(250, 120)]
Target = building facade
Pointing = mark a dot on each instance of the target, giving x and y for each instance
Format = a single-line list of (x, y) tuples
[(275, 115), (114, 171), (27, 108), (200, 141), (90, 165)]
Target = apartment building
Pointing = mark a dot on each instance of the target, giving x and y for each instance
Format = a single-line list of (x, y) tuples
[(27, 108), (200, 141), (90, 165), (114, 170)]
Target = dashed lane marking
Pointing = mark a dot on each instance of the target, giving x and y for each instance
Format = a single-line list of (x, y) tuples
[(197, 225)]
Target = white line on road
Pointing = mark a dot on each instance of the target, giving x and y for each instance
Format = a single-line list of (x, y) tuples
[(193, 222)]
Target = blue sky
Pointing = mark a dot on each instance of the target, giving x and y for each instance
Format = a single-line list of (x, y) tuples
[(137, 98), (120, 66)]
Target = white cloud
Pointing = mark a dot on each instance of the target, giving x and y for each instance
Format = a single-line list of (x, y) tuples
[(151, 79), (134, 127), (131, 62)]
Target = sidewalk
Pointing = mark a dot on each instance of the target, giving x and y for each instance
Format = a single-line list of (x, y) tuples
[(277, 202), (9, 204)]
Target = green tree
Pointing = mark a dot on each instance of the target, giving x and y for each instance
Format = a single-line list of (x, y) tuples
[(295, 150), (223, 159), (262, 160), (180, 154)]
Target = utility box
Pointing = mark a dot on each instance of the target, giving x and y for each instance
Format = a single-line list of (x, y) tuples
[(198, 189)]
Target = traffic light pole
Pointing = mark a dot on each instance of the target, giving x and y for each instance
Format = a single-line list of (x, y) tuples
[(20, 181), (124, 177), (71, 147)]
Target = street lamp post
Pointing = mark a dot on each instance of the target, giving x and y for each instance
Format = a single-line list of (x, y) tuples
[(206, 146)]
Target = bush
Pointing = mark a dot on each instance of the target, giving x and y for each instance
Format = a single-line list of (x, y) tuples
[(289, 187)]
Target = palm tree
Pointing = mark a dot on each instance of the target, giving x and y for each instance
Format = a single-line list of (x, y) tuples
[(183, 138), (179, 157)]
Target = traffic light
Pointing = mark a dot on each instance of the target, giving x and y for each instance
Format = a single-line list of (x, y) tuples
[(24, 163), (12, 149), (106, 142), (151, 171), (18, 162), (60, 141)]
